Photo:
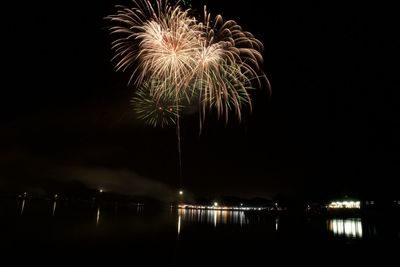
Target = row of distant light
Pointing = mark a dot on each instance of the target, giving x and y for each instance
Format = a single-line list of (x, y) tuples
[(344, 205), (217, 207)]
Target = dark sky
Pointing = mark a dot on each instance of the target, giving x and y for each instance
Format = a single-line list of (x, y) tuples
[(330, 127)]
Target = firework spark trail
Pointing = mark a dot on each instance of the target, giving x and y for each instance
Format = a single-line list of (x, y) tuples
[(178, 135), (159, 113)]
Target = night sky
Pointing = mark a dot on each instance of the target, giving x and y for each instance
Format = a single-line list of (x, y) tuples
[(330, 127)]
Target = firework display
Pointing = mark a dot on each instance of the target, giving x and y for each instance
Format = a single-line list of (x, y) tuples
[(155, 113), (172, 55)]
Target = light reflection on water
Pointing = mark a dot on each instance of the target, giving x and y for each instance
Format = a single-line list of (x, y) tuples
[(54, 207), (213, 217), (351, 228), (180, 233), (22, 207), (98, 216), (179, 225)]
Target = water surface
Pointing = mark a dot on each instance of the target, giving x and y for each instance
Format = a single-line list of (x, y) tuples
[(51, 233)]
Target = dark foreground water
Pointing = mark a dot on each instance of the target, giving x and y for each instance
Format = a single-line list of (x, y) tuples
[(59, 234)]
